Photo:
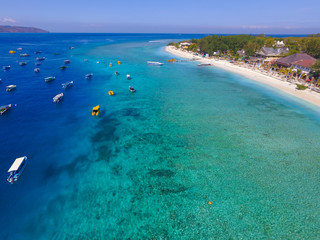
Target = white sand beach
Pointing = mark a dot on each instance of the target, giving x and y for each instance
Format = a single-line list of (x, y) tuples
[(287, 87)]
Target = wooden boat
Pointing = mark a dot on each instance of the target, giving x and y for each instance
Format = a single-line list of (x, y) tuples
[(22, 63), (172, 60), (63, 67), (58, 98), (131, 89), (119, 62), (67, 84), (95, 110), (36, 70), (155, 63), (88, 76), (11, 87), (16, 169), (66, 61), (4, 108), (6, 67), (12, 52), (128, 77), (49, 79), (111, 93)]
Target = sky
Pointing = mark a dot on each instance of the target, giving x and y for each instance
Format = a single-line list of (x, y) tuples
[(165, 16)]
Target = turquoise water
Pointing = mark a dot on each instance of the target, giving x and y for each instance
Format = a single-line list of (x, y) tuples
[(149, 165)]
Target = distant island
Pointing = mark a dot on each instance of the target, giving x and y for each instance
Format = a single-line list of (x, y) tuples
[(18, 29)]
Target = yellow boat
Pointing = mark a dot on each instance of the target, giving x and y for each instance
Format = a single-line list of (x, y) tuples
[(111, 93), (12, 52), (172, 60), (95, 110), (110, 64), (119, 62)]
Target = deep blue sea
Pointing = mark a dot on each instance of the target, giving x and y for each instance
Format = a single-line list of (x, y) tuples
[(149, 164)]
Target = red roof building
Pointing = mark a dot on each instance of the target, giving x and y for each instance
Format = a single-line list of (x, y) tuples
[(300, 61)]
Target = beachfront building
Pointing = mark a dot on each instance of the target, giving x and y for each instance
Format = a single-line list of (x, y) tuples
[(184, 45), (269, 53), (298, 61)]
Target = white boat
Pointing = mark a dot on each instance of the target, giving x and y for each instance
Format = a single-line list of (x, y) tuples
[(16, 169), (155, 63), (204, 64), (5, 108), (24, 55), (58, 98), (6, 67), (128, 77), (131, 89), (36, 70), (11, 87), (66, 61), (40, 58), (67, 84)]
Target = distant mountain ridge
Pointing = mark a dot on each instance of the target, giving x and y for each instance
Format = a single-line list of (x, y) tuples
[(19, 29)]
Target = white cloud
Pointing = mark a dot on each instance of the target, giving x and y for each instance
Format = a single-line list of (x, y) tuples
[(7, 20)]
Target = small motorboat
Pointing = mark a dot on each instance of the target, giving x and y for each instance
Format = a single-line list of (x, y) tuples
[(11, 87), (37, 64), (95, 110), (40, 59), (16, 169), (111, 93), (56, 54), (71, 48), (89, 76), (119, 62), (36, 70), (19, 49), (49, 79), (116, 73), (6, 67), (66, 61), (22, 63), (131, 89), (155, 63), (37, 52), (24, 55), (58, 98), (110, 64), (0, 80), (63, 67), (4, 108), (204, 64), (128, 77), (12, 52), (67, 84)]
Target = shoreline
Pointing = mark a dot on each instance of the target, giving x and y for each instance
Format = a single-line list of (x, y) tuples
[(286, 87)]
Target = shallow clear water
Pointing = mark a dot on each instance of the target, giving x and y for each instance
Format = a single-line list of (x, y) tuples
[(147, 167)]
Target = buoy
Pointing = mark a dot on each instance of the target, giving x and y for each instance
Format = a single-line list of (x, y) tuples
[(209, 203)]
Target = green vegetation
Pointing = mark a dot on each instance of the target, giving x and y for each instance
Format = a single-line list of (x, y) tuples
[(301, 87), (316, 68), (173, 44), (314, 35)]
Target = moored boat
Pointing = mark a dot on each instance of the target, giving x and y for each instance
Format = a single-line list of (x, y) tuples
[(116, 73), (111, 93), (67, 84), (24, 55), (16, 169), (11, 87), (49, 79), (95, 110), (4, 108), (40, 58), (66, 61), (131, 89), (155, 63), (58, 98), (19, 48), (204, 64), (22, 63), (119, 62), (36, 70), (88, 76), (63, 67), (110, 64), (6, 67), (37, 52), (128, 77), (12, 52)]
